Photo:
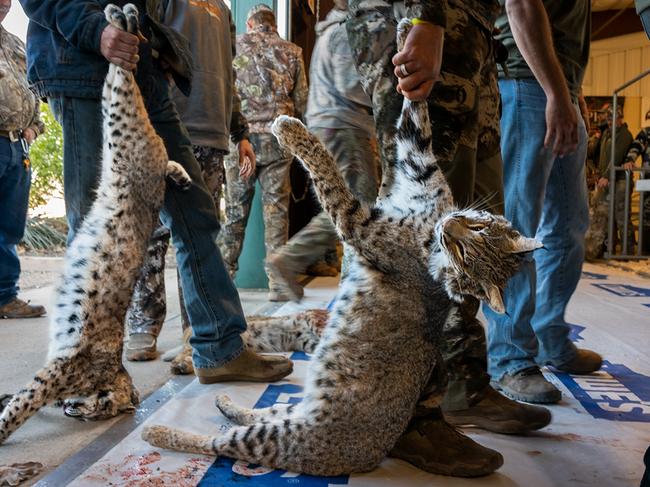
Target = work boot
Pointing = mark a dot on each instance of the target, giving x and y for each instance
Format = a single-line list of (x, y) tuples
[(584, 362), (528, 385), (141, 347), (433, 445), (248, 366), (497, 413), (284, 276), (17, 308), (322, 269)]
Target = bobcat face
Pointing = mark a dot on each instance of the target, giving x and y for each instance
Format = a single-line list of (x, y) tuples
[(482, 251)]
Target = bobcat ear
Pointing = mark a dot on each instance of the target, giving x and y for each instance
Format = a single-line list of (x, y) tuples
[(524, 244), (495, 299)]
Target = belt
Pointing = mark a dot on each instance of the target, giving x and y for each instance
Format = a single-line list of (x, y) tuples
[(12, 135)]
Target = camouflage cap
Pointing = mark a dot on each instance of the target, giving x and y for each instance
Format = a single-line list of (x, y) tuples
[(260, 7)]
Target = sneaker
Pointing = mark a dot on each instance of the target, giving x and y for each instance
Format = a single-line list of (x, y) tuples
[(17, 308), (528, 385), (285, 277), (437, 447), (584, 362), (497, 413), (278, 296), (141, 347), (248, 366)]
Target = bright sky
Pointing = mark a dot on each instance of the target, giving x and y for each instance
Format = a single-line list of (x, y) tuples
[(16, 21)]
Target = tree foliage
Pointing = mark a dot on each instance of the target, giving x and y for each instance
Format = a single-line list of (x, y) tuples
[(46, 156)]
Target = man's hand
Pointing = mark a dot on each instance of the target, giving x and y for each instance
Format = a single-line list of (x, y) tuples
[(120, 47), (29, 135), (246, 159), (561, 126), (421, 57), (603, 183), (628, 166)]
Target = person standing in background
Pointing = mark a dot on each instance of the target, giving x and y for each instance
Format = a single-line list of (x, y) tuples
[(270, 81), (19, 126)]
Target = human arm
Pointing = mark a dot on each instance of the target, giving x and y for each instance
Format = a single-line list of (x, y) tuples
[(532, 33), (36, 126), (82, 23), (638, 147)]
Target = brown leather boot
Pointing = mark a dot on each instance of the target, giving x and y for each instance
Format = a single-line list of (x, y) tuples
[(433, 445), (497, 413), (17, 308), (584, 362), (248, 366)]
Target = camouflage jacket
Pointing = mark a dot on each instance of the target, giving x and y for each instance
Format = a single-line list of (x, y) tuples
[(270, 78), (18, 105), (640, 147)]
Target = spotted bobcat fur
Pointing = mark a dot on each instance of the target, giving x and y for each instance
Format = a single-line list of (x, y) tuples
[(415, 255), (297, 332), (103, 260)]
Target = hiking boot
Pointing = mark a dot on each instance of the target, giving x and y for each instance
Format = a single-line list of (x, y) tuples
[(497, 413), (17, 308), (141, 347), (584, 362), (248, 366), (322, 269), (285, 277), (528, 385), (437, 447)]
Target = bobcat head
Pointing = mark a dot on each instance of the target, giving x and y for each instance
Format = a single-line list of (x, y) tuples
[(480, 252)]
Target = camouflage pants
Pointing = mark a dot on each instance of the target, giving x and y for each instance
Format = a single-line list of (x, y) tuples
[(355, 153), (464, 111), (272, 172), (148, 308), (619, 215)]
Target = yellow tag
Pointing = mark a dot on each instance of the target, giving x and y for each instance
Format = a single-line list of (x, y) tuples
[(26, 163), (417, 21)]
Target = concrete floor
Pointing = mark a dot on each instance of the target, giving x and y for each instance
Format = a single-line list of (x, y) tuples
[(24, 347)]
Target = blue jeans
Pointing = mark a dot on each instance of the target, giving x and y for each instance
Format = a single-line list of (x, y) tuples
[(211, 299), (546, 198), (15, 180)]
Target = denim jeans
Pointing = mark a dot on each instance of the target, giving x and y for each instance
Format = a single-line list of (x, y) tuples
[(15, 180), (546, 198), (211, 299)]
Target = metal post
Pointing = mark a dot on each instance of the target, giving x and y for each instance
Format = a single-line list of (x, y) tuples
[(612, 178), (639, 248), (626, 212)]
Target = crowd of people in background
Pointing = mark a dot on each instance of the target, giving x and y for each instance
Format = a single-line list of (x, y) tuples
[(534, 172)]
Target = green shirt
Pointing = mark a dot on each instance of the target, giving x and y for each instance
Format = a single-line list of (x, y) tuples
[(571, 30)]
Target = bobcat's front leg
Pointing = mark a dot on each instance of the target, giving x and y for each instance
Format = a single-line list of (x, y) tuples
[(177, 173)]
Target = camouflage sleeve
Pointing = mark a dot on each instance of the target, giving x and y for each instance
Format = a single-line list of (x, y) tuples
[(300, 89), (638, 147), (238, 122), (434, 11)]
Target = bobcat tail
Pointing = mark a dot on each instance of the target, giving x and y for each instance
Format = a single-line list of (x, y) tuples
[(44, 388)]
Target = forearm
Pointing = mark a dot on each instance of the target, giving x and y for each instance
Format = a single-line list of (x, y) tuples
[(532, 33), (80, 22)]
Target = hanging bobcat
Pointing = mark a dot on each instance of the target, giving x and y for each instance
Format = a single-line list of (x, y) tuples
[(413, 252), (102, 262)]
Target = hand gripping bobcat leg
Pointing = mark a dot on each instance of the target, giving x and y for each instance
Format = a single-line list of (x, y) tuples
[(415, 252), (102, 263)]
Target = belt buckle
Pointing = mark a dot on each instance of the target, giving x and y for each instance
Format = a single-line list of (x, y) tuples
[(14, 136)]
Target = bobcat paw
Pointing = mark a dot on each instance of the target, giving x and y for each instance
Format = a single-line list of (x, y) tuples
[(289, 131), (16, 473), (223, 402), (178, 175), (115, 16), (156, 435)]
